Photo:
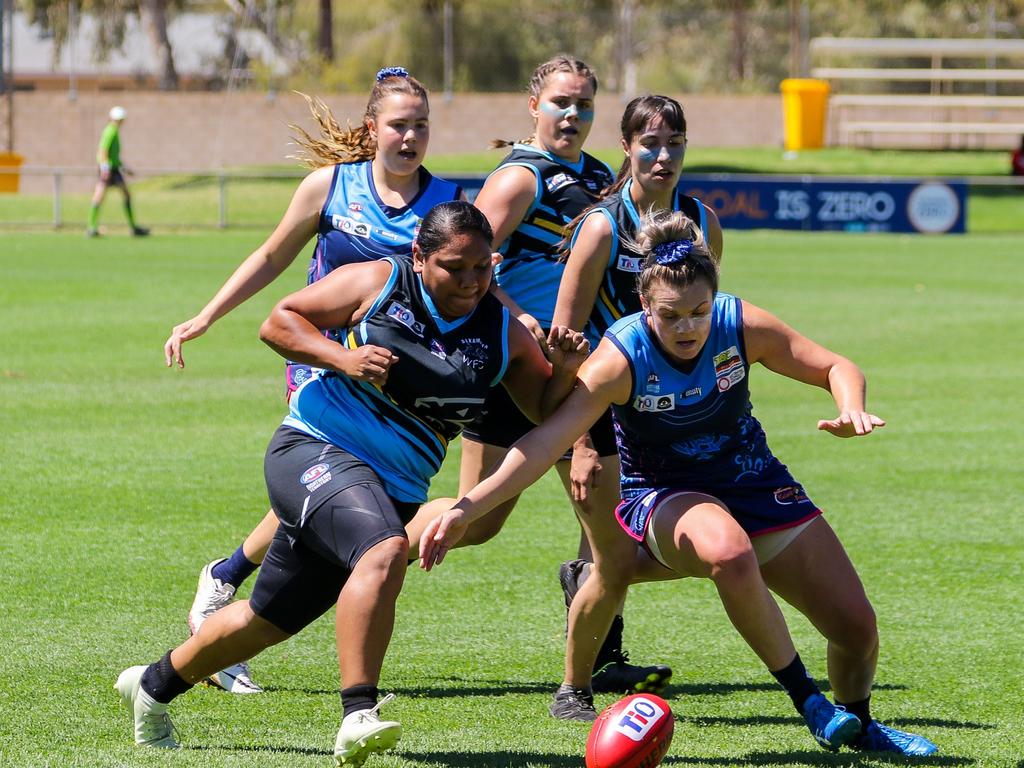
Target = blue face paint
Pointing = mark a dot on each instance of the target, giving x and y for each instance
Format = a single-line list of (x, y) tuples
[(563, 113), (672, 154)]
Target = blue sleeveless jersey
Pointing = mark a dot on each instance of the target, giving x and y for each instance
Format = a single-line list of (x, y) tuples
[(691, 429), (357, 226), (444, 372), (617, 296), (532, 268)]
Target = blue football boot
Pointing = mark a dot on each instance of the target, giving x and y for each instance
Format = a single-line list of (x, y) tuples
[(882, 738), (831, 726)]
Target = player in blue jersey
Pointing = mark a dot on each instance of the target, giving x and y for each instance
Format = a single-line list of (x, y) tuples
[(363, 201), (702, 492), (423, 343), (538, 188), (597, 288)]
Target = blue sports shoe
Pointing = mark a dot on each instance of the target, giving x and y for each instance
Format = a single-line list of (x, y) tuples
[(831, 726), (882, 738)]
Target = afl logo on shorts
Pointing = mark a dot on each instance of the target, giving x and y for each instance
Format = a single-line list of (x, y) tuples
[(316, 476)]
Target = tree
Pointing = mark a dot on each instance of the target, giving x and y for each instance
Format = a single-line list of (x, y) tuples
[(61, 19)]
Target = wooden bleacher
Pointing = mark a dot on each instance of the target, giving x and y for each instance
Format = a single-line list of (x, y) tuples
[(943, 117)]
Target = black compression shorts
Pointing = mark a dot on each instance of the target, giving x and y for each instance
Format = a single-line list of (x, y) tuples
[(332, 508)]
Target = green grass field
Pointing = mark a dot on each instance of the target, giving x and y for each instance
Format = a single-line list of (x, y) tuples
[(120, 479)]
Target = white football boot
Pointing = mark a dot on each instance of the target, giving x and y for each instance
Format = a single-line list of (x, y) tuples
[(212, 595), (153, 727), (363, 733)]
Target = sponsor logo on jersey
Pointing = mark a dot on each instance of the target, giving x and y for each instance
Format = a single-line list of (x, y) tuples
[(386, 234), (351, 226), (558, 181), (437, 349), (639, 718), (728, 368), (790, 494), (355, 207), (404, 316), (653, 384), (702, 448), (316, 476), (695, 392), (654, 403), (474, 352), (629, 264)]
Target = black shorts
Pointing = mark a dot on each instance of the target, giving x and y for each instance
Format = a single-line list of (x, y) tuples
[(332, 508), (116, 179), (501, 423)]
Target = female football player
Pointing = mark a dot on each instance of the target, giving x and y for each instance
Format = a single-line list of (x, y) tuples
[(701, 490), (362, 202), (542, 184), (423, 341)]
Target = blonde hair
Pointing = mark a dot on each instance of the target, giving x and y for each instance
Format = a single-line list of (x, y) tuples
[(660, 227), (562, 62), (349, 145)]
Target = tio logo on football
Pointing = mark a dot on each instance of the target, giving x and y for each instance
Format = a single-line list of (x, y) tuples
[(639, 719)]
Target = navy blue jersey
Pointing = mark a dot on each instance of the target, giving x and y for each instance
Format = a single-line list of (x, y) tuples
[(617, 296), (532, 269), (357, 226), (443, 374), (689, 427)]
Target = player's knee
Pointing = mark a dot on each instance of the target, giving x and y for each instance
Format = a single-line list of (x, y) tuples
[(260, 631), (732, 560), (860, 631), (385, 561)]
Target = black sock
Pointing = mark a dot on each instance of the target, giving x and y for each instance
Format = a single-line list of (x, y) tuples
[(358, 698), (862, 709), (797, 682), (161, 681), (611, 649)]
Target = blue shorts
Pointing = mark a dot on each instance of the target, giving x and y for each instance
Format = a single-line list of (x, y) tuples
[(759, 508)]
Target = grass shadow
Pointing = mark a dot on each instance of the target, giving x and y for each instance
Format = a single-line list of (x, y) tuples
[(447, 689), (817, 758)]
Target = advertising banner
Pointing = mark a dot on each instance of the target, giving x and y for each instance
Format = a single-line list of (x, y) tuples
[(812, 203)]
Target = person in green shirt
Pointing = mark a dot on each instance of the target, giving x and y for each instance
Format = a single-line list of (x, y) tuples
[(111, 173)]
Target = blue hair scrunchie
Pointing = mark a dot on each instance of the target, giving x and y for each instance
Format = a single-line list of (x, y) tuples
[(387, 72), (673, 252)]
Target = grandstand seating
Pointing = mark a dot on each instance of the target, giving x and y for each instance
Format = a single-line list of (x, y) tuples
[(945, 116)]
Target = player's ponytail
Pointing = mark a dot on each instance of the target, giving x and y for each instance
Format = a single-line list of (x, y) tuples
[(562, 62), (351, 145), (674, 251)]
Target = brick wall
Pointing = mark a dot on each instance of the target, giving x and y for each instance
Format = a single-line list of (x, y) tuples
[(200, 131)]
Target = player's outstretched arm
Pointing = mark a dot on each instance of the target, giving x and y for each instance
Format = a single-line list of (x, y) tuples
[(781, 349), (263, 265), (604, 379)]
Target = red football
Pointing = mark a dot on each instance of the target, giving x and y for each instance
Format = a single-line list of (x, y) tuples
[(634, 732)]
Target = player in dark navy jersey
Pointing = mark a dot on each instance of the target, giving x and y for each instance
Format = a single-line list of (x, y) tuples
[(363, 202), (543, 184), (702, 492), (424, 341)]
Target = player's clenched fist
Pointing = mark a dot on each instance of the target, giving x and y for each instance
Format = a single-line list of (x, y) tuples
[(368, 363)]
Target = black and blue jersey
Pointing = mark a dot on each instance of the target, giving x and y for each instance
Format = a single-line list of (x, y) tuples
[(439, 383), (617, 295), (532, 269)]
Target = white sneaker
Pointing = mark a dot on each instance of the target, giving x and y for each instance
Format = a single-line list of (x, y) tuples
[(153, 726), (234, 679), (211, 595), (363, 733)]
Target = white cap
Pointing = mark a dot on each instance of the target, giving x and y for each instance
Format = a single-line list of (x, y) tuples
[(117, 113)]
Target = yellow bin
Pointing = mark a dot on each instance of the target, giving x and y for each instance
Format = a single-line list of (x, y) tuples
[(9, 179), (804, 103)]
